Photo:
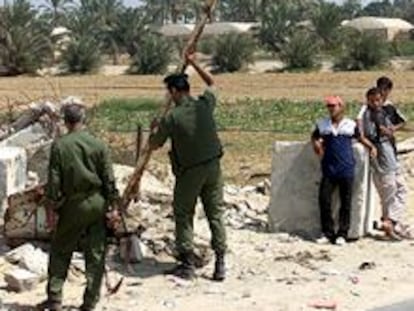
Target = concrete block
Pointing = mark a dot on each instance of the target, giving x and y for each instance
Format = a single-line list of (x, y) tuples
[(296, 176), (26, 217), (20, 280), (28, 137), (13, 170)]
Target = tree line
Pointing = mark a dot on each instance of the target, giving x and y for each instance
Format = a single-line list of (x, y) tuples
[(296, 31)]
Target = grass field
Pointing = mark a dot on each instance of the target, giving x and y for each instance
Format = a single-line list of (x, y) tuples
[(254, 109), (310, 86)]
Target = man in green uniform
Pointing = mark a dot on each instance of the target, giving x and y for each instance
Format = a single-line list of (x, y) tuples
[(80, 189), (195, 158)]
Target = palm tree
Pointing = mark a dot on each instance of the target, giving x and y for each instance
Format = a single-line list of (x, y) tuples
[(158, 9), (278, 23), (99, 18), (25, 45), (56, 10), (351, 9), (326, 21), (132, 26)]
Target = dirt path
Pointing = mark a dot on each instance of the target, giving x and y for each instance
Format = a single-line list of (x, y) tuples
[(268, 272)]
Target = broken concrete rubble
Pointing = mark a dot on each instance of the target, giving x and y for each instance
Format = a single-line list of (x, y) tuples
[(30, 258), (20, 280)]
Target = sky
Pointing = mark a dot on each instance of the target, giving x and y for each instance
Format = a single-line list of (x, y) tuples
[(135, 2)]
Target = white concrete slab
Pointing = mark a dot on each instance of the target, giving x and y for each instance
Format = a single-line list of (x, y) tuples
[(296, 176)]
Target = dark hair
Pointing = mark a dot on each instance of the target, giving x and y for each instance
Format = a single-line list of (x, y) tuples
[(373, 91), (385, 83), (178, 82), (73, 113)]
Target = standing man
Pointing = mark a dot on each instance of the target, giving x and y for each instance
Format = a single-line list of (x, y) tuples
[(80, 189), (332, 142), (195, 158), (379, 129)]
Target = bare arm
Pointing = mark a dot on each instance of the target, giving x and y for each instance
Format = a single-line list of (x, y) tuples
[(206, 76), (372, 149), (359, 134)]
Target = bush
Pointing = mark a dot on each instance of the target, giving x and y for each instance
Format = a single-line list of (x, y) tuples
[(300, 51), (153, 56), (232, 52), (402, 47), (206, 46), (362, 51), (82, 55)]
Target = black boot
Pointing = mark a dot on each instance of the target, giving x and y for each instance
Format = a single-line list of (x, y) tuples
[(219, 274), (49, 305), (185, 269)]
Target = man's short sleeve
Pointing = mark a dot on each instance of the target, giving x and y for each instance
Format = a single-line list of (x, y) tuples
[(357, 133), (395, 116), (210, 96), (164, 131), (361, 112), (316, 134)]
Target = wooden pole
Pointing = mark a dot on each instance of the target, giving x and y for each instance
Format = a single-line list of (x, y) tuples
[(132, 190)]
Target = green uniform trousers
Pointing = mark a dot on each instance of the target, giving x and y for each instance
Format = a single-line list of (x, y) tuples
[(79, 219), (204, 181)]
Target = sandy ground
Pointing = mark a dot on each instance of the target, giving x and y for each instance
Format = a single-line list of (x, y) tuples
[(267, 272)]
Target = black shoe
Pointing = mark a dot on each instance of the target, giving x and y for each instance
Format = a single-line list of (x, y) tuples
[(219, 274), (182, 271), (49, 305), (85, 308)]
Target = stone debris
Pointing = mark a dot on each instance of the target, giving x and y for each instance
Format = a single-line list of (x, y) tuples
[(153, 214), (20, 280), (30, 258), (132, 250)]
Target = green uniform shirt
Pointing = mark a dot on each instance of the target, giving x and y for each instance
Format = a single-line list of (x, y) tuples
[(80, 164), (192, 129)]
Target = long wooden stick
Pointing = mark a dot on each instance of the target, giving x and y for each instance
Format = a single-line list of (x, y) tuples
[(134, 182)]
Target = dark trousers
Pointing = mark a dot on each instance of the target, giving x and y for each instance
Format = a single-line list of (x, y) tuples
[(327, 188)]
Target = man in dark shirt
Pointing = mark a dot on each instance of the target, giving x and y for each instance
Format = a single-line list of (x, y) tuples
[(195, 157), (81, 187), (332, 141)]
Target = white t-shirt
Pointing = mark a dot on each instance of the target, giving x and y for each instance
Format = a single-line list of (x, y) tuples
[(362, 111)]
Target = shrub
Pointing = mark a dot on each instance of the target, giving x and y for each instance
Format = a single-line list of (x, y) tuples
[(362, 51), (82, 55), (152, 57), (232, 52), (300, 51), (403, 47)]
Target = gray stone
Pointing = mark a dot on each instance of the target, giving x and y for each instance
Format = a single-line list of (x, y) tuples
[(30, 258), (13, 168), (28, 137), (296, 177), (20, 280), (16, 255), (36, 263)]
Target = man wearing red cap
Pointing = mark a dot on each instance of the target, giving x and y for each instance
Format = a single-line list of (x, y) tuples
[(332, 142)]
